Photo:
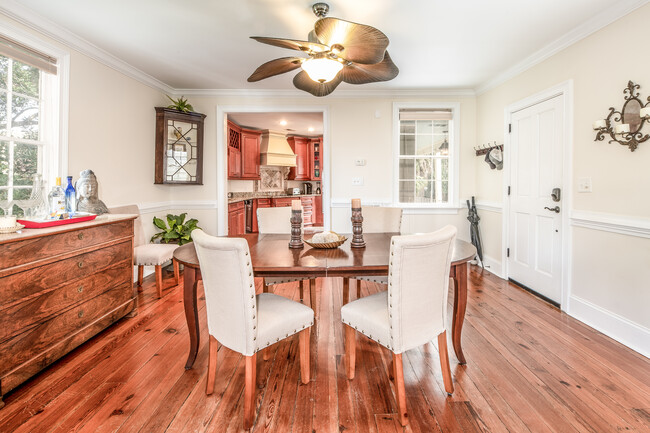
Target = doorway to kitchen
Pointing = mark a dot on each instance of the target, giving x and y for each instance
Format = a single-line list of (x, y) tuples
[(269, 156)]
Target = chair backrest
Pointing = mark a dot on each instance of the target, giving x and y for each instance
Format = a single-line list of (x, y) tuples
[(138, 238), (274, 220), (381, 219), (418, 281), (229, 290)]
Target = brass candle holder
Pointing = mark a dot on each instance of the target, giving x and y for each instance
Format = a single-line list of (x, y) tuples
[(357, 229), (296, 232)]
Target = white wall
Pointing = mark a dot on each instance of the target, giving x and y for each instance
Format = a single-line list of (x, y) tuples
[(610, 271)]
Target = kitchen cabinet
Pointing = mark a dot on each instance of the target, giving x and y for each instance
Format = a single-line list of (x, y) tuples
[(301, 146), (318, 210), (258, 203), (283, 201), (307, 210), (315, 158), (236, 219), (179, 147), (243, 153)]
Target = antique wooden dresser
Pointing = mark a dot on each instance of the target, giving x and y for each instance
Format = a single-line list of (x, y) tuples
[(60, 286)]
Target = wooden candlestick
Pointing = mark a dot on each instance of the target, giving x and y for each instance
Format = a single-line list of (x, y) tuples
[(296, 232), (357, 229)]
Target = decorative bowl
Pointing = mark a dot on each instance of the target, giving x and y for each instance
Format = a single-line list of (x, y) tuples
[(336, 244)]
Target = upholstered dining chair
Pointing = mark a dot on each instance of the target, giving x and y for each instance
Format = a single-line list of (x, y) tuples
[(412, 311), (275, 220), (239, 319), (145, 254), (375, 220)]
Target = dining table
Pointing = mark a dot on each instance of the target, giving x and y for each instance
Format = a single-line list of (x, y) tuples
[(272, 257)]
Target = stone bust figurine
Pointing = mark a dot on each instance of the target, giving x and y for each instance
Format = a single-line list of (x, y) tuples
[(87, 199)]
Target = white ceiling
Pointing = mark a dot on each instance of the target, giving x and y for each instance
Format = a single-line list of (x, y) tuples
[(297, 123), (437, 44)]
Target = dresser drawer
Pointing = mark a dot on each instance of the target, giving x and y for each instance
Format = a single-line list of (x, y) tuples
[(45, 247), (283, 201), (28, 283), (24, 315), (29, 344)]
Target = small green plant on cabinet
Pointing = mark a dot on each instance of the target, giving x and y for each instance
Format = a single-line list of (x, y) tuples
[(176, 230), (181, 104)]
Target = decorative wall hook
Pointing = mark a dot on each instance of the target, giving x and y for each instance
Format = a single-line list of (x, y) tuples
[(625, 126), (486, 148)]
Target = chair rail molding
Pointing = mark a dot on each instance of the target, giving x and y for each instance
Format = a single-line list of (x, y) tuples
[(153, 207), (338, 203), (621, 224)]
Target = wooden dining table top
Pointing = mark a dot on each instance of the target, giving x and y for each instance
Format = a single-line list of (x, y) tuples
[(271, 256)]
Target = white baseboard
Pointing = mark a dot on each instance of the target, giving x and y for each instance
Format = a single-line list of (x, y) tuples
[(626, 332), (493, 265)]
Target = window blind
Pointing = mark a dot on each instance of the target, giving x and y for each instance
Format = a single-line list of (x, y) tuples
[(27, 55), (425, 115)]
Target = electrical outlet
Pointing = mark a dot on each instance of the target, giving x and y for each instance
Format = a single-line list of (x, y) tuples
[(357, 181), (360, 162), (584, 184)]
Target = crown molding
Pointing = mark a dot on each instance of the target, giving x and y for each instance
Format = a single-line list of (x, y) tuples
[(603, 19), (29, 18), (339, 94)]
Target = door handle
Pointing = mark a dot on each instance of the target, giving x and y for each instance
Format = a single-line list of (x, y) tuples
[(555, 209)]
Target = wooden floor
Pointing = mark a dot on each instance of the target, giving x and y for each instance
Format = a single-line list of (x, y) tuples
[(530, 368)]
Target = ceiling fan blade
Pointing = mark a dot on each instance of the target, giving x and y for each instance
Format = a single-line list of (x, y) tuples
[(303, 82), (361, 74), (275, 67), (292, 44), (361, 43)]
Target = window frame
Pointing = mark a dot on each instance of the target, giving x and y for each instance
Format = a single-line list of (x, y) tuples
[(454, 154), (54, 127)]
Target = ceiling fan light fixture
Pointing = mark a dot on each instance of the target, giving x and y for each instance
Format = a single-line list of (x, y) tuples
[(321, 70)]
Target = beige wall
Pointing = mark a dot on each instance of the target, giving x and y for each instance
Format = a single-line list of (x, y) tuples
[(608, 270)]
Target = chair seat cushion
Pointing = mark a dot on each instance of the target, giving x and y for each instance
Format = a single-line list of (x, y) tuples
[(278, 318), (375, 279), (153, 254), (369, 316), (271, 281)]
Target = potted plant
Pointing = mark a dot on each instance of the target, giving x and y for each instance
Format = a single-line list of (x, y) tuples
[(181, 104), (176, 230)]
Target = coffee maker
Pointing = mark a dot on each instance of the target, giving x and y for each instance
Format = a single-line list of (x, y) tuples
[(306, 188)]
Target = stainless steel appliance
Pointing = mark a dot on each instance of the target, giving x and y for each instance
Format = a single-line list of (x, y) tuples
[(248, 206), (294, 191), (306, 188)]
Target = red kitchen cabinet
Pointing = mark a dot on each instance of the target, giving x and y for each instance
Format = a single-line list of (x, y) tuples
[(258, 203), (283, 201), (307, 210), (318, 210), (234, 151), (236, 219), (315, 159), (250, 154), (301, 146)]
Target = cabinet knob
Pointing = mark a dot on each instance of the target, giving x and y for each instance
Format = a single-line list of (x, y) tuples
[(80, 236), (80, 289), (80, 314), (80, 264)]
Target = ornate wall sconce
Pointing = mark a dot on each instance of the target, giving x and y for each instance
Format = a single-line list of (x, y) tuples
[(625, 126)]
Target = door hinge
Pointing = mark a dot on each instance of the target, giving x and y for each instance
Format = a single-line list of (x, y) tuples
[(509, 127), (507, 252), (508, 190)]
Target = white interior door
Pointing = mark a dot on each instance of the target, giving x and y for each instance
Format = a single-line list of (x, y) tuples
[(535, 241)]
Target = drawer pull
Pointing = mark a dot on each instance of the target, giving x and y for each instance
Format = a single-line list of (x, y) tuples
[(80, 236), (80, 314), (80, 264), (80, 289)]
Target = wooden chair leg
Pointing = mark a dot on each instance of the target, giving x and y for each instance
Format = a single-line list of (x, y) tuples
[(358, 283), (249, 391), (350, 350), (444, 362), (303, 343), (391, 370), (177, 271), (265, 288), (346, 290), (400, 392), (303, 283), (159, 284), (140, 276), (212, 365), (312, 294)]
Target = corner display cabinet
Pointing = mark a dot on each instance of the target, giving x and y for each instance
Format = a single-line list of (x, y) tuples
[(179, 147)]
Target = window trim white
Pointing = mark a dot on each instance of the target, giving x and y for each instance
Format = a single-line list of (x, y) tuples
[(58, 164), (454, 154)]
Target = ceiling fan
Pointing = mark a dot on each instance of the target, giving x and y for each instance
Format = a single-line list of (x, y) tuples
[(338, 51)]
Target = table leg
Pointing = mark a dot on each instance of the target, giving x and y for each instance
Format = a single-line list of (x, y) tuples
[(459, 274), (191, 312)]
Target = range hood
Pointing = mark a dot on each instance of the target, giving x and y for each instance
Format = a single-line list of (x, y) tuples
[(275, 150)]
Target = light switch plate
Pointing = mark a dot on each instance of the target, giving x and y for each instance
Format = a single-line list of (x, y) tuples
[(584, 184), (357, 181), (360, 162)]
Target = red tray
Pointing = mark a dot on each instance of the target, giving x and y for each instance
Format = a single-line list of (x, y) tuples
[(39, 224)]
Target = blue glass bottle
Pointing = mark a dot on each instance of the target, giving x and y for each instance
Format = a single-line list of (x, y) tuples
[(70, 198)]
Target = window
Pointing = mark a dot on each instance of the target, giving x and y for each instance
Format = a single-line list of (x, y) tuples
[(427, 157), (28, 115)]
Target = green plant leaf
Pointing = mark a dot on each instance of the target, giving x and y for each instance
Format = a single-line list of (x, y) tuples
[(159, 223), (180, 218), (171, 220)]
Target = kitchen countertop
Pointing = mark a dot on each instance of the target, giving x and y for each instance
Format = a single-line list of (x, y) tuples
[(251, 197)]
